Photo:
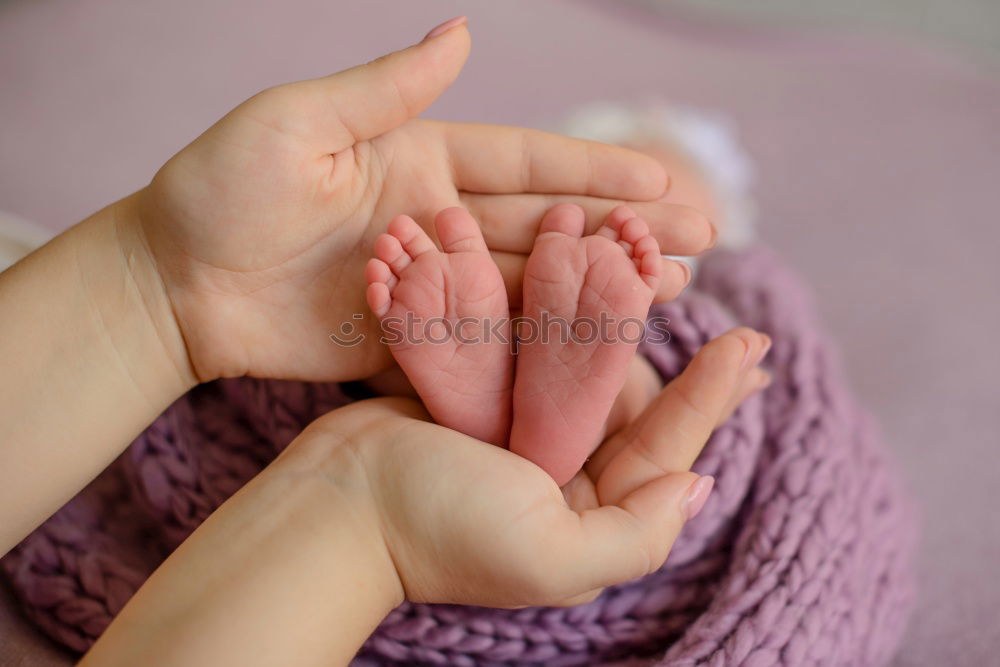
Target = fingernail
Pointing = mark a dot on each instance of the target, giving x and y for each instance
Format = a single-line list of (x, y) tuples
[(446, 26), (697, 496), (687, 272), (767, 346), (715, 237), (748, 359)]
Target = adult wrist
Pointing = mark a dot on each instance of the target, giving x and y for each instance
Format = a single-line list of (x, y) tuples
[(293, 565), (92, 355), (324, 459), (149, 338)]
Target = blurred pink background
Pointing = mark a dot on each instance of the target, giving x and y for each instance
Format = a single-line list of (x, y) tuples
[(877, 162)]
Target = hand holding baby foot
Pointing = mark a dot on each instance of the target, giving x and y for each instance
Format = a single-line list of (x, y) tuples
[(497, 530), (720, 377), (372, 504), (585, 301), (254, 228)]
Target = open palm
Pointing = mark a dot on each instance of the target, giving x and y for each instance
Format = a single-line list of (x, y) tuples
[(466, 522), (261, 227)]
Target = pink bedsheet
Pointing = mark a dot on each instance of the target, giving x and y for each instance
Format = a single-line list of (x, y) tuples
[(877, 169)]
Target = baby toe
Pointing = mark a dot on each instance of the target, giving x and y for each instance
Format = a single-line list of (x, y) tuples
[(390, 250), (458, 231), (378, 298), (412, 237), (377, 271), (613, 224), (651, 263), (566, 219), (618, 217), (634, 230), (673, 277)]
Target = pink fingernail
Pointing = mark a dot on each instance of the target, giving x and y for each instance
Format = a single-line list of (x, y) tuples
[(446, 26), (767, 346), (748, 360), (687, 272), (697, 496)]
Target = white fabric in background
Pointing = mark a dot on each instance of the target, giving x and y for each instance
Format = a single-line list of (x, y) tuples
[(18, 237)]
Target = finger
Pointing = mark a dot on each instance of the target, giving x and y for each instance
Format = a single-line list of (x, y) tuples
[(676, 425), (756, 380), (564, 219), (511, 265), (674, 428), (336, 111), (615, 543), (582, 598), (527, 160), (641, 386), (510, 222), (458, 231), (675, 276)]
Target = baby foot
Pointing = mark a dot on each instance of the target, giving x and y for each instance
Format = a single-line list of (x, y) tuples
[(439, 311), (599, 287)]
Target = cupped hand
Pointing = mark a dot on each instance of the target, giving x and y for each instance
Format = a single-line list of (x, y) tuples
[(261, 227), (466, 522)]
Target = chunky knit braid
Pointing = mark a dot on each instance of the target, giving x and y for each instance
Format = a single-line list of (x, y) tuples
[(801, 556)]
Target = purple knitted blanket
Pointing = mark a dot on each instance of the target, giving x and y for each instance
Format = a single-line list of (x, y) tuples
[(801, 556)]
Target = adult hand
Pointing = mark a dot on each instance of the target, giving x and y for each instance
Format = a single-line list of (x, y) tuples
[(260, 228), (465, 522), (373, 503)]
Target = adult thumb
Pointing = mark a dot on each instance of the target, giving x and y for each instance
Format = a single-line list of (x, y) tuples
[(362, 102), (616, 543)]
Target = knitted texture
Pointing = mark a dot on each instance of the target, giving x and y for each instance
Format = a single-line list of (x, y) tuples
[(801, 556)]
